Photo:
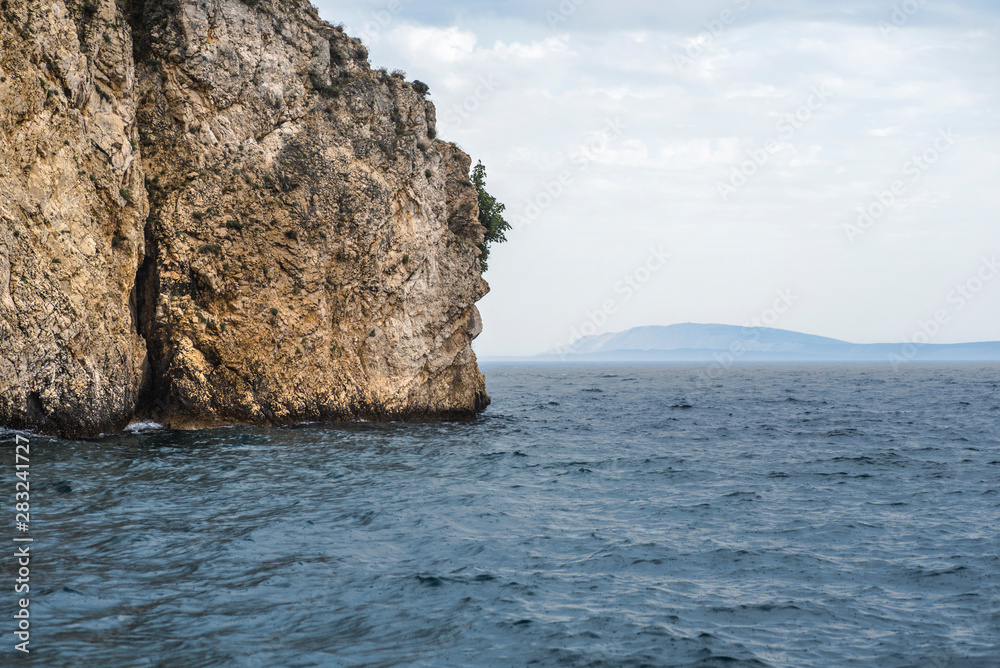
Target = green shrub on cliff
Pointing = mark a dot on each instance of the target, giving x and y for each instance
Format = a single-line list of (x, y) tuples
[(490, 216)]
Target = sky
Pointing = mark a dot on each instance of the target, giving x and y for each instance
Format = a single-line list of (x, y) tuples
[(830, 168)]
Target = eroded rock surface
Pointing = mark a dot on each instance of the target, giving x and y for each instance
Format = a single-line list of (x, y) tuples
[(72, 210), (310, 249)]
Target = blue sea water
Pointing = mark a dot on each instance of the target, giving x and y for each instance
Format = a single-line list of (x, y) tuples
[(593, 516)]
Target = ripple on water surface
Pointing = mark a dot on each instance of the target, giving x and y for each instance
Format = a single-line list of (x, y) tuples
[(618, 516)]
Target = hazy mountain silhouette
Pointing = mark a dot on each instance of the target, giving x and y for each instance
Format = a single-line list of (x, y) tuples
[(695, 342)]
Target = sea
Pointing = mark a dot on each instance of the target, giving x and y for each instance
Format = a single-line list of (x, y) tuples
[(594, 515)]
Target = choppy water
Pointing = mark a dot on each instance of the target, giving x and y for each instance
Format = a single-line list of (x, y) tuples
[(594, 516)]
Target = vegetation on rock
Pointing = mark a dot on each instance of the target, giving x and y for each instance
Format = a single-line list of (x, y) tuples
[(490, 216)]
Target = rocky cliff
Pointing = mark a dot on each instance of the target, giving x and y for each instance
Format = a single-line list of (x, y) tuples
[(216, 212)]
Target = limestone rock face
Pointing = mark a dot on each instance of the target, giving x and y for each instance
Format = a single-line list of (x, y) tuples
[(72, 210), (310, 249)]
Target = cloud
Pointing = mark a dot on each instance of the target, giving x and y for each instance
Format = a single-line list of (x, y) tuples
[(524, 96), (445, 45), (669, 16)]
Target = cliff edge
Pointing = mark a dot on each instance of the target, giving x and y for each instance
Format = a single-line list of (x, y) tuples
[(215, 212)]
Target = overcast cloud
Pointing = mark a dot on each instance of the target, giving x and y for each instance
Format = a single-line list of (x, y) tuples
[(742, 138)]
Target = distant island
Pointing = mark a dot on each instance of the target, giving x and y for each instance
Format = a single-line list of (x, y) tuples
[(730, 344)]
